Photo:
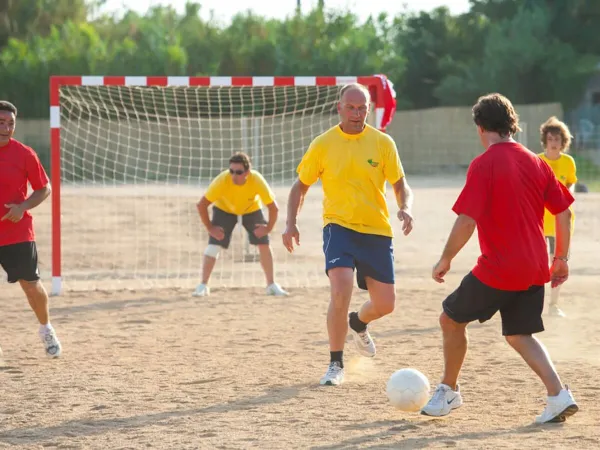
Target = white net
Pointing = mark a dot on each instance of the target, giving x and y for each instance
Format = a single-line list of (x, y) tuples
[(135, 160)]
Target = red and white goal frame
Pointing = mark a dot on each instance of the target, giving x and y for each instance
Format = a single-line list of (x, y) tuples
[(383, 98)]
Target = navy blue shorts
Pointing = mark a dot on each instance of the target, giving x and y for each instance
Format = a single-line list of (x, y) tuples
[(370, 254)]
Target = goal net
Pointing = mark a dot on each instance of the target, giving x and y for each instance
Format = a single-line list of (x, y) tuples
[(131, 157)]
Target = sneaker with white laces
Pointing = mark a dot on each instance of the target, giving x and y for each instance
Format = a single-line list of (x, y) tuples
[(201, 291), (334, 375), (558, 408), (275, 289), (443, 400), (51, 343), (363, 341)]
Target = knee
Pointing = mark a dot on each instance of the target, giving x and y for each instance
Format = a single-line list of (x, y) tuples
[(212, 251), (386, 306), (515, 339), (449, 325)]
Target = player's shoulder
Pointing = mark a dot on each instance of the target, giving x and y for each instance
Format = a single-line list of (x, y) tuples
[(18, 146), (381, 136), (567, 158), (221, 176), (256, 175)]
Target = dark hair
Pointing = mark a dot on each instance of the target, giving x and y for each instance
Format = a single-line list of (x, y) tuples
[(241, 158), (495, 113), (8, 106), (555, 126)]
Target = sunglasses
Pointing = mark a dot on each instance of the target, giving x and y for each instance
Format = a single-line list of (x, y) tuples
[(237, 172)]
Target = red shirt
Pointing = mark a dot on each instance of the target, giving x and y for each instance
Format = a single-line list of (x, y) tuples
[(506, 191), (19, 164)]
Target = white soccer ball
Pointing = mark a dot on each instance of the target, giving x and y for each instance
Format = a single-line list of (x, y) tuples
[(408, 390)]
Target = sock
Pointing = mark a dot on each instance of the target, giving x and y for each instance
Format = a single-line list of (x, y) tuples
[(337, 357), (45, 328), (356, 324), (554, 294)]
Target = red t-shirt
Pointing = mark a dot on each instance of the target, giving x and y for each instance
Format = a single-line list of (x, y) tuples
[(19, 164), (506, 191)]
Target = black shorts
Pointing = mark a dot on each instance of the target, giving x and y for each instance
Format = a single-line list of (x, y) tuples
[(521, 311), (20, 261), (228, 222)]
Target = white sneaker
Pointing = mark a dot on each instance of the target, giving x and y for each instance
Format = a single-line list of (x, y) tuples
[(201, 291), (51, 343), (444, 400), (334, 375), (558, 407), (554, 310), (275, 289), (364, 342)]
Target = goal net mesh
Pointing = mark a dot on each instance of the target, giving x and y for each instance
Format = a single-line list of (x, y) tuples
[(136, 160)]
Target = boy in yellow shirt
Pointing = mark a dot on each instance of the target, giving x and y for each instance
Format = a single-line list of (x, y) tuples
[(238, 191), (556, 140)]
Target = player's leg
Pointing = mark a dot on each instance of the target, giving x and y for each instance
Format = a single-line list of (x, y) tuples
[(20, 261), (553, 308), (226, 221), (375, 273), (339, 266), (521, 318), (471, 301), (249, 222)]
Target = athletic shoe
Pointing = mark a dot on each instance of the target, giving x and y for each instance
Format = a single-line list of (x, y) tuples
[(444, 400)]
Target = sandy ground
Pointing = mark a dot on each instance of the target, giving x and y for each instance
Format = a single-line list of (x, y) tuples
[(151, 367)]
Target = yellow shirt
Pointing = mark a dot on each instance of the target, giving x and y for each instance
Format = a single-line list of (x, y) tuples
[(242, 199), (353, 169), (565, 171)]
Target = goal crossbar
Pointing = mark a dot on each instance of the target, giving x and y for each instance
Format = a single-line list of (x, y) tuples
[(380, 88)]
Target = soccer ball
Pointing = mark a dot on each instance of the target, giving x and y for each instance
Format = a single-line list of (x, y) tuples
[(408, 390)]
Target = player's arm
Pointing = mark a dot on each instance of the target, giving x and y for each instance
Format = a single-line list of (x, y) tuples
[(404, 200), (273, 214), (295, 201), (202, 207), (37, 177)]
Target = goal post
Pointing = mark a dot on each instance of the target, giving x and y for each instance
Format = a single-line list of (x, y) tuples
[(131, 156)]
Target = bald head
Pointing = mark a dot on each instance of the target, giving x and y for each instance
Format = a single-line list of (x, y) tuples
[(353, 108)]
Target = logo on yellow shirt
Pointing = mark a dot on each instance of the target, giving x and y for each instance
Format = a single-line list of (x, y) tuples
[(373, 163)]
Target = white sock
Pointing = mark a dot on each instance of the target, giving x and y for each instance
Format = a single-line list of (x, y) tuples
[(554, 293), (45, 328)]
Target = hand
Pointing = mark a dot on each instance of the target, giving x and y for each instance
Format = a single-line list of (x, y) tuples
[(261, 230), (407, 220), (217, 232), (290, 235), (559, 272), (440, 270), (15, 212)]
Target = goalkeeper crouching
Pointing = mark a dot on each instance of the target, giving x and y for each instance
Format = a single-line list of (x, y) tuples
[(235, 192)]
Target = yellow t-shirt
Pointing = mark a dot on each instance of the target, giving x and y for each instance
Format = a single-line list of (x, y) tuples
[(353, 169), (565, 171), (242, 199)]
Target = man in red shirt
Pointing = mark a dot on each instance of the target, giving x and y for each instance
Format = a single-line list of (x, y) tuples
[(19, 165), (506, 190)]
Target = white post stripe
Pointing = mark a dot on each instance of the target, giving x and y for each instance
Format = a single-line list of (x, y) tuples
[(92, 81), (220, 81), (345, 80), (136, 81), (263, 81), (56, 286), (178, 81), (55, 117), (379, 117), (305, 81)]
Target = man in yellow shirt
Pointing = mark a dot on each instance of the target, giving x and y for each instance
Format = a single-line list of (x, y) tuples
[(353, 161), (235, 192), (556, 139)]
